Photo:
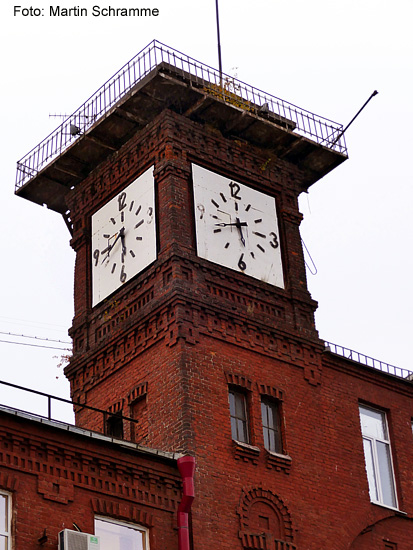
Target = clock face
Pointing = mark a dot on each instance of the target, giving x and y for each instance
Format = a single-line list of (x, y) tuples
[(123, 237), (236, 226)]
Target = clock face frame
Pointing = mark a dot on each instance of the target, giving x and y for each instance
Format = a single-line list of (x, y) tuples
[(123, 237), (236, 226)]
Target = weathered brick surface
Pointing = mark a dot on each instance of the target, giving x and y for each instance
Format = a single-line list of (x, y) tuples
[(57, 478), (179, 334), (187, 329)]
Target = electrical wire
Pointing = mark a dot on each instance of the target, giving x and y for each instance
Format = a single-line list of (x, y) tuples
[(34, 345), (35, 337), (31, 323), (315, 271)]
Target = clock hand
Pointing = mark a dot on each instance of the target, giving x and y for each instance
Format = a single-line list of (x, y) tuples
[(121, 236), (238, 225)]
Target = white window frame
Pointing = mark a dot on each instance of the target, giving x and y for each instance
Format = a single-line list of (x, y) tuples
[(127, 524), (6, 533), (273, 428), (376, 474), (239, 420)]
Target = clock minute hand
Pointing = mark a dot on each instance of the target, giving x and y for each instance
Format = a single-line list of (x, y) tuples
[(237, 224)]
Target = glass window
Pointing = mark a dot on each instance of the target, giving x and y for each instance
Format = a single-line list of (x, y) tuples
[(271, 425), (377, 455), (115, 535), (5, 521), (239, 419)]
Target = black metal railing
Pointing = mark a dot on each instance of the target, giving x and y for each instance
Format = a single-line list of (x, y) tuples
[(225, 87), (369, 361), (111, 423)]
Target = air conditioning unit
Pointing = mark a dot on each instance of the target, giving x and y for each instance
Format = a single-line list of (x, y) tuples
[(75, 540)]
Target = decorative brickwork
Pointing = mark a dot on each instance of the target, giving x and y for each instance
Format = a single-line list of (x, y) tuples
[(275, 393), (137, 393), (116, 408), (264, 521), (278, 462), (245, 452), (60, 478), (59, 470), (8, 482), (238, 380), (122, 511)]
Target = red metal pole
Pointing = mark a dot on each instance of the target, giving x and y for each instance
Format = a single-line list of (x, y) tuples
[(186, 467)]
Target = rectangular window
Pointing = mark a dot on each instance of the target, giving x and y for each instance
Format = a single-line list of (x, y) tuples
[(117, 535), (5, 521), (271, 425), (239, 417), (377, 455), (114, 427)]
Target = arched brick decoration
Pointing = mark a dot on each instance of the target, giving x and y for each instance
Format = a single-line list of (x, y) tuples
[(8, 482), (388, 533), (264, 519), (117, 407), (122, 511), (238, 380), (137, 392), (275, 393)]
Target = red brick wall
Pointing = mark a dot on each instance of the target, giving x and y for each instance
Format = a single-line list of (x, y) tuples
[(57, 478), (185, 329)]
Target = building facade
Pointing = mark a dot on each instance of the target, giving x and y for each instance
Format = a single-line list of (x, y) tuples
[(193, 319)]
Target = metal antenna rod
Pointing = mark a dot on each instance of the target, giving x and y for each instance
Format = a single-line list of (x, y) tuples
[(354, 117), (219, 45)]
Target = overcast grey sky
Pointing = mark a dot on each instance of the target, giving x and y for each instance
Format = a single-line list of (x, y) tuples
[(326, 56)]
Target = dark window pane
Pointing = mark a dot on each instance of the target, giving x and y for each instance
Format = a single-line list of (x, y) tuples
[(386, 475), (232, 404), (234, 428), (238, 413), (271, 426), (242, 431)]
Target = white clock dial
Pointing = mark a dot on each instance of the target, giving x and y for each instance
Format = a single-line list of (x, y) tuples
[(123, 237), (236, 226)]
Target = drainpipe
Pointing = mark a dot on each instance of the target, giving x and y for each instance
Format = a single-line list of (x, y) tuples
[(186, 467)]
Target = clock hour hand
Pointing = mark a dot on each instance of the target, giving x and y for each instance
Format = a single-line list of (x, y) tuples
[(239, 226), (121, 236)]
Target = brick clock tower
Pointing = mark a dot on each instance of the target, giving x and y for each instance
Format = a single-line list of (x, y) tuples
[(192, 313)]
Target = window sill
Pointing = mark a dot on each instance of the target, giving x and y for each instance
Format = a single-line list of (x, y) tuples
[(246, 452), (278, 462)]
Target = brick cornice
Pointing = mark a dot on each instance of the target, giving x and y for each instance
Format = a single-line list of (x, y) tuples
[(179, 319), (61, 468)]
